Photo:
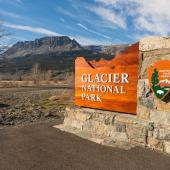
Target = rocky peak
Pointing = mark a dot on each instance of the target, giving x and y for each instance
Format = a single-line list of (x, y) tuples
[(42, 45)]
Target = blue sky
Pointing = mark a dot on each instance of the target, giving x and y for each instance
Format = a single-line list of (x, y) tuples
[(88, 21)]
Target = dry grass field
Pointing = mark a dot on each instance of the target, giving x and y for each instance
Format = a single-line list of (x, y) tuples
[(30, 104)]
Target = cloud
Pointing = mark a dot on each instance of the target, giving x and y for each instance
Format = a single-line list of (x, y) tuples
[(90, 41), (32, 29), (9, 14), (146, 15), (153, 17), (82, 40), (110, 15), (62, 19), (65, 12), (108, 2), (82, 26), (19, 1), (92, 31)]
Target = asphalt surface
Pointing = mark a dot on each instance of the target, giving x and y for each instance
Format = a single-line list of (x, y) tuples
[(42, 147)]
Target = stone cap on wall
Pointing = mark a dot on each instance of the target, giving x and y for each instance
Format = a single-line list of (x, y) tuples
[(154, 43)]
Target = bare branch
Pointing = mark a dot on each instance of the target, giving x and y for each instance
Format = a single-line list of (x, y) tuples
[(3, 34)]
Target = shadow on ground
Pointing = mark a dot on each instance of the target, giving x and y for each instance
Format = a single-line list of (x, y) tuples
[(3, 105)]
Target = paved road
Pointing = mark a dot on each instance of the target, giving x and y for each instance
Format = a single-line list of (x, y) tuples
[(41, 147)]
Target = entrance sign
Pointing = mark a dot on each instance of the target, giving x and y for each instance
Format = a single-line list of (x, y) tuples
[(159, 78), (108, 85)]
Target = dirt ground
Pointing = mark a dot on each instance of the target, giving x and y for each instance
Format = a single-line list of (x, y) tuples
[(30, 104), (41, 147)]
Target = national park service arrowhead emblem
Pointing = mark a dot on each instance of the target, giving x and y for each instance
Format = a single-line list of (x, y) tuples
[(159, 78)]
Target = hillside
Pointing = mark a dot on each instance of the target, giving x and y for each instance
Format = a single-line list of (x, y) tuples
[(51, 53), (42, 46)]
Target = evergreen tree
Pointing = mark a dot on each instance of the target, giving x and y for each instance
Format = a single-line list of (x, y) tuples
[(155, 77)]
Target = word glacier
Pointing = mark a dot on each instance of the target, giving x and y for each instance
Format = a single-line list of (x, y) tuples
[(106, 78)]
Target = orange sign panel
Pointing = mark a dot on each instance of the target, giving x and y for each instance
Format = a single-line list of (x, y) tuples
[(108, 85), (159, 78)]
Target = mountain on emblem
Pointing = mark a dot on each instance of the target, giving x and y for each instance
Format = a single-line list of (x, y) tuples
[(159, 77)]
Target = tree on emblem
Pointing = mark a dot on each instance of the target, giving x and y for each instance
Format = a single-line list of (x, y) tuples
[(160, 92), (155, 77)]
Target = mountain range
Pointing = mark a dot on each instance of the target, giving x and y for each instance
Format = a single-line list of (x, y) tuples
[(42, 46), (54, 53), (164, 83)]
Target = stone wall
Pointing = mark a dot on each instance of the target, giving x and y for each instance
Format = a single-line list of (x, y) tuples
[(154, 43), (115, 129), (149, 107), (149, 128), (112, 128)]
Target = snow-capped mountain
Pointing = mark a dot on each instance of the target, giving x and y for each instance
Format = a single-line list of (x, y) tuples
[(164, 83)]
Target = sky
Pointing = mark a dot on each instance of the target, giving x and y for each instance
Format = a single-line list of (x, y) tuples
[(97, 22)]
